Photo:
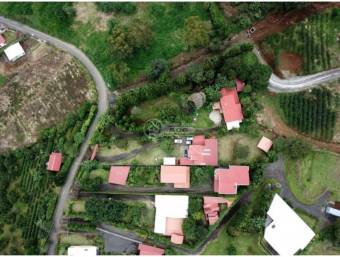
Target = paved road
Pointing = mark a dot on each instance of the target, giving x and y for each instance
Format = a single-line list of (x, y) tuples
[(276, 170), (301, 83), (102, 107)]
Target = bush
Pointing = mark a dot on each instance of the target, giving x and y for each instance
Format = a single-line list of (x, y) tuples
[(240, 151), (123, 7), (157, 68), (292, 148)]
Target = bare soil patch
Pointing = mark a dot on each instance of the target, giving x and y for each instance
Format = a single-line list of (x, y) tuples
[(289, 64), (41, 89)]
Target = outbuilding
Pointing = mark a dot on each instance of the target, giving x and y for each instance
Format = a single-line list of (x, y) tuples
[(54, 162), (119, 174), (14, 52), (265, 144)]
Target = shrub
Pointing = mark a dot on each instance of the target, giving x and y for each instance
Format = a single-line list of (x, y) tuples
[(157, 68), (123, 7), (240, 151)]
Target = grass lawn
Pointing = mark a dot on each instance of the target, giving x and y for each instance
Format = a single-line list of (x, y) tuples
[(115, 150), (78, 206), (226, 146), (202, 120), (310, 221), (75, 239), (323, 248), (245, 244), (310, 177), (100, 173)]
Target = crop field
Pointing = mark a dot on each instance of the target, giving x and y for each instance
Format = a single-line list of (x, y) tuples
[(29, 192), (39, 92), (314, 40), (311, 113)]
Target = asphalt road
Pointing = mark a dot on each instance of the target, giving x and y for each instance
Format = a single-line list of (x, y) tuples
[(102, 107), (301, 83)]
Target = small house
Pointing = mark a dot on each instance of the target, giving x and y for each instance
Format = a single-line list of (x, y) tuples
[(119, 174), (265, 144), (54, 162), (178, 175), (149, 250), (14, 52)]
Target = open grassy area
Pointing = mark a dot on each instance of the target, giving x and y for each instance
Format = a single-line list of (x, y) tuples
[(314, 40), (323, 248), (245, 244), (115, 150), (310, 177), (227, 143), (100, 173)]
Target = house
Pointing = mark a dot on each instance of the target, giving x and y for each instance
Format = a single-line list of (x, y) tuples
[(94, 152), (119, 174), (82, 250), (178, 175), (171, 210), (286, 232), (211, 207), (2, 41), (226, 181), (231, 108), (14, 52), (54, 162), (239, 85), (202, 151), (169, 161), (149, 250), (265, 144)]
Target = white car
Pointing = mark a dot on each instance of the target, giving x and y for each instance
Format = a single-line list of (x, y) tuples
[(178, 141), (188, 142)]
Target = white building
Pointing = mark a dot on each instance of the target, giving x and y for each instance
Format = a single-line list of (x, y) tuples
[(286, 233), (169, 206), (82, 250), (169, 161), (14, 52)]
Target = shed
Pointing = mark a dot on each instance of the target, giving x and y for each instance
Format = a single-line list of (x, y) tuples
[(169, 161), (149, 250), (54, 162), (265, 144), (14, 52), (119, 174)]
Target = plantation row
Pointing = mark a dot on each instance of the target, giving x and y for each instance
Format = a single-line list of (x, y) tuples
[(314, 40), (311, 113), (28, 206)]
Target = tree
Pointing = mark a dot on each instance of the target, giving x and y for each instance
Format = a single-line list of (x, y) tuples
[(157, 68), (140, 33), (292, 147), (197, 32), (231, 250), (119, 72), (123, 7), (121, 42)]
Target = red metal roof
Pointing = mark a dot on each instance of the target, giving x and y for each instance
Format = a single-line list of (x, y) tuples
[(94, 152), (177, 239), (202, 154), (149, 250), (119, 174), (265, 144), (198, 140), (239, 85), (179, 175), (211, 207), (54, 162), (2, 40), (227, 180), (231, 107)]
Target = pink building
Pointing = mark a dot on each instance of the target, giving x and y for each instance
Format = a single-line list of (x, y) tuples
[(226, 181), (149, 250), (119, 174), (231, 108), (54, 162), (178, 175)]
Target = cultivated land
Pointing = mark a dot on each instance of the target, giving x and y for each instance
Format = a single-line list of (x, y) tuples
[(40, 90)]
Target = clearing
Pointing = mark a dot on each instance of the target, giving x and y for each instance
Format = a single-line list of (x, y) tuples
[(40, 90), (308, 178)]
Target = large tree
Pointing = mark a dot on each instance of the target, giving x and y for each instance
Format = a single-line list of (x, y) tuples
[(197, 32)]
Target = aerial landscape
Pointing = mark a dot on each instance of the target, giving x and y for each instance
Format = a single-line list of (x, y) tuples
[(169, 128)]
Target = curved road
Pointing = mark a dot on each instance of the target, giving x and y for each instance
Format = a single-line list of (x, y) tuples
[(102, 107)]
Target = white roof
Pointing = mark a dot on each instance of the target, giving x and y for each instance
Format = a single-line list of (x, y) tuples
[(14, 51), (169, 161), (169, 206), (82, 250), (333, 211), (287, 233)]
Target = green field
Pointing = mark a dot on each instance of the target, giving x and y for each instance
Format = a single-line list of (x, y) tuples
[(308, 178), (245, 244), (314, 40)]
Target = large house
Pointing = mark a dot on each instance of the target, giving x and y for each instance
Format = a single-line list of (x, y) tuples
[(178, 175), (231, 108), (286, 232), (202, 151), (226, 181), (171, 210)]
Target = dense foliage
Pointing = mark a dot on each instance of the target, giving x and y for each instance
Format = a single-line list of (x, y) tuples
[(123, 7), (144, 176), (292, 147), (312, 113), (201, 175), (28, 191)]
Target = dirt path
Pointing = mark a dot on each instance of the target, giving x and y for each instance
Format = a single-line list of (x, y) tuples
[(281, 129)]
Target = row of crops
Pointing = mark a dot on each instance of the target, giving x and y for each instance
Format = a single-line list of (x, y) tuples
[(311, 113), (28, 206), (314, 39)]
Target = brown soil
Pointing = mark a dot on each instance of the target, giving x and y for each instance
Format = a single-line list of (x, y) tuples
[(41, 89), (290, 62), (270, 119)]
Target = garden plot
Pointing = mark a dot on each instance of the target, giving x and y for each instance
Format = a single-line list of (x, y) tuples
[(40, 91)]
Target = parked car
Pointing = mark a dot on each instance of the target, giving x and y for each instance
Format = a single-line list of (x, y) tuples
[(178, 141), (188, 142)]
